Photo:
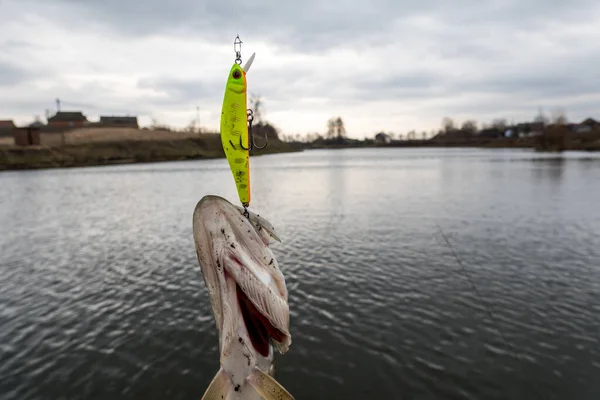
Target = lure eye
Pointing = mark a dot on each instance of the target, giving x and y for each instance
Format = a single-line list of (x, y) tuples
[(237, 74)]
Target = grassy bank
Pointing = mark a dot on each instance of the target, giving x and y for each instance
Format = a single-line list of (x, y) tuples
[(552, 139), (88, 147)]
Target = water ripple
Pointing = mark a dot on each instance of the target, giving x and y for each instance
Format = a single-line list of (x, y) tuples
[(102, 296)]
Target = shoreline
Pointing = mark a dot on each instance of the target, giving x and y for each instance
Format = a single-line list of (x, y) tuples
[(122, 152), (95, 147), (501, 143)]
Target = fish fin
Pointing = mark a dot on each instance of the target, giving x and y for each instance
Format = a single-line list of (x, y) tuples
[(268, 387), (261, 224), (217, 390)]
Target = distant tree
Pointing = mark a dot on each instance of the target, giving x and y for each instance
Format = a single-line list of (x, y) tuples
[(424, 135), (265, 129), (330, 128), (257, 107), (552, 139), (540, 118), (411, 135), (500, 124), (340, 129), (400, 136), (191, 126), (559, 117), (335, 128), (469, 126), (447, 124)]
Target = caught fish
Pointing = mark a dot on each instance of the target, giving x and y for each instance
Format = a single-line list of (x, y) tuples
[(248, 296), (234, 129)]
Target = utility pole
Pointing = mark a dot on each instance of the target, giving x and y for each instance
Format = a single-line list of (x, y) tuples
[(57, 105), (198, 119)]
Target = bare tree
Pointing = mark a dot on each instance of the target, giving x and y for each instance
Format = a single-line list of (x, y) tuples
[(340, 129), (540, 118), (331, 128), (499, 123), (469, 126), (335, 128), (257, 106), (448, 124), (559, 117)]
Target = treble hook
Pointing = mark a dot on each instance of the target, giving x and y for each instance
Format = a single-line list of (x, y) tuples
[(251, 143), (242, 146), (250, 114), (258, 147)]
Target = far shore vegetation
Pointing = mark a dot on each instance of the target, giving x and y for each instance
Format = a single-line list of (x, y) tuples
[(67, 139)]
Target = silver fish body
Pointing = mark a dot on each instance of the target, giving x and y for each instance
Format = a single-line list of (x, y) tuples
[(248, 296)]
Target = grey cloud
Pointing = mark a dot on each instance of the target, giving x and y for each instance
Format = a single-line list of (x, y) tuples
[(183, 90), (400, 86), (11, 74), (92, 98), (477, 48), (13, 45), (305, 25)]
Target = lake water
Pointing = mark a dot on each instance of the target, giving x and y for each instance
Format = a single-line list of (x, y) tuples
[(101, 295)]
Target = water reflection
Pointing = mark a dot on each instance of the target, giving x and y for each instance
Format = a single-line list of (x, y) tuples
[(552, 168)]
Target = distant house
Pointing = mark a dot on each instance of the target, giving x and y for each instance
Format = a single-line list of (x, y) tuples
[(491, 133), (67, 119), (118, 122), (528, 129), (6, 128), (36, 124), (27, 136), (586, 125), (382, 138)]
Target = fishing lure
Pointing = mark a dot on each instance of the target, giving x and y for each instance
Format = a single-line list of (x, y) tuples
[(236, 124)]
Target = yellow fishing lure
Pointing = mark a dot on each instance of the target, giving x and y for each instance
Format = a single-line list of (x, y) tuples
[(234, 129)]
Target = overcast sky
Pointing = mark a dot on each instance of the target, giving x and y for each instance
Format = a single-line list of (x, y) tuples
[(392, 65)]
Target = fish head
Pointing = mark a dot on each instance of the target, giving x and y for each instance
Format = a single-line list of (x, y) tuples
[(237, 79)]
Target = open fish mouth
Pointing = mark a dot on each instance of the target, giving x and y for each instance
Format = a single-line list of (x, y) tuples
[(260, 330)]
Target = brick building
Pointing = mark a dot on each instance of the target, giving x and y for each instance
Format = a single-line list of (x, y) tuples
[(6, 128), (118, 122), (67, 119)]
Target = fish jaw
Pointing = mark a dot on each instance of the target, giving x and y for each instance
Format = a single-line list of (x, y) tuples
[(247, 292)]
